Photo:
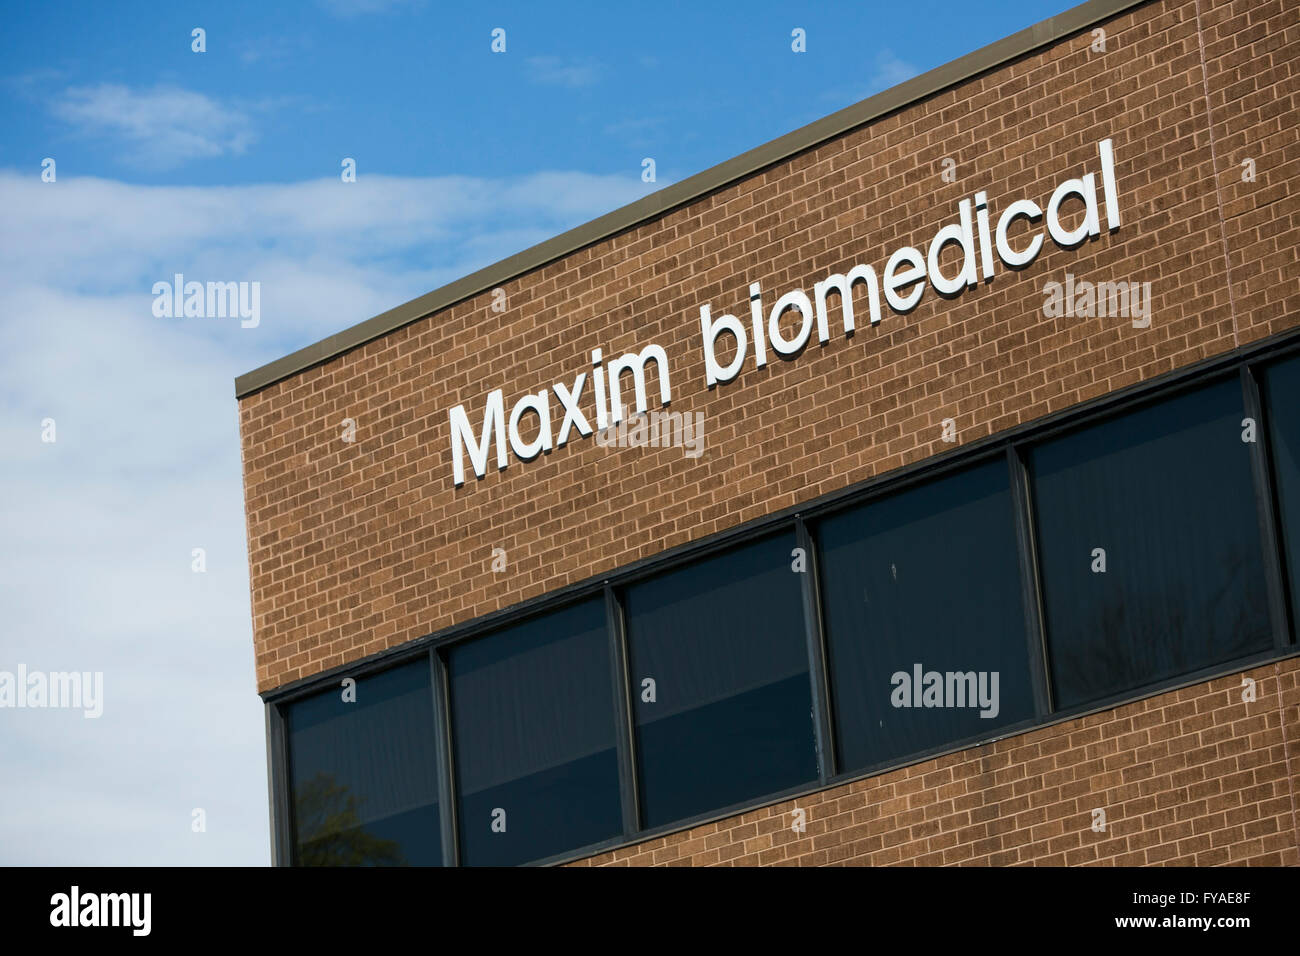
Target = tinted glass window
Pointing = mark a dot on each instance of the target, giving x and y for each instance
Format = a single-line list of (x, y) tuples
[(723, 642), (1282, 394), (924, 617), (364, 774), (534, 729), (1163, 496)]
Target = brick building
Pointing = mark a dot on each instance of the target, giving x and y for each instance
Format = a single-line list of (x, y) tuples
[(920, 487)]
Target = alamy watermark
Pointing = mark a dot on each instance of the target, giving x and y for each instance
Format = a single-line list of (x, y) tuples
[(922, 688), (1084, 299), (66, 690), (128, 910), (657, 429), (214, 300)]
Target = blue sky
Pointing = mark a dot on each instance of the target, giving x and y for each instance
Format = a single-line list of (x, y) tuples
[(412, 89), (224, 166)]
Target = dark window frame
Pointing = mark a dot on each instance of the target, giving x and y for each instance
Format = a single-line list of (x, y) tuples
[(1221, 377), (1278, 576), (284, 848), (781, 537), (1246, 362), (1038, 684), (443, 684)]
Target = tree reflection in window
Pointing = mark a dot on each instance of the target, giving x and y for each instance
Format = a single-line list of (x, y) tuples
[(363, 772), (1164, 495), (329, 820)]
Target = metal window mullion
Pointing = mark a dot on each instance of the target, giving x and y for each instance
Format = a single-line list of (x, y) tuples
[(446, 765), (815, 636), (625, 736), (278, 770), (1265, 500), (1031, 590)]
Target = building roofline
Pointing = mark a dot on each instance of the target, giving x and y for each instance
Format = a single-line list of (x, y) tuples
[(688, 190)]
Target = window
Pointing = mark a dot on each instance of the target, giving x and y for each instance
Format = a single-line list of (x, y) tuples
[(721, 692), (364, 773), (1282, 395), (924, 617), (534, 727), (1148, 539), (1150, 567)]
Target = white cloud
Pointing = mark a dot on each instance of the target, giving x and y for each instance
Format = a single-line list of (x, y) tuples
[(554, 71), (272, 48), (887, 71), (328, 254), (99, 526), (642, 132), (157, 128), (890, 71)]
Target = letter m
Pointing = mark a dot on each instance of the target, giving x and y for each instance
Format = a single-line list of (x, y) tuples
[(1112, 299), (634, 363), (115, 909), (961, 689), (844, 286), (462, 438), (65, 689), (223, 300)]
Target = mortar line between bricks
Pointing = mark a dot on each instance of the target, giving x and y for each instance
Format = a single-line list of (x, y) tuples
[(1214, 163), (1286, 751)]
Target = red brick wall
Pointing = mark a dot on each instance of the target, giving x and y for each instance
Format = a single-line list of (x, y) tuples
[(1252, 52), (357, 547), (360, 546), (1194, 777)]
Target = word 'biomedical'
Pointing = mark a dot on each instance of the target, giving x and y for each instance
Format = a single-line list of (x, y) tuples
[(903, 282), (908, 267)]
